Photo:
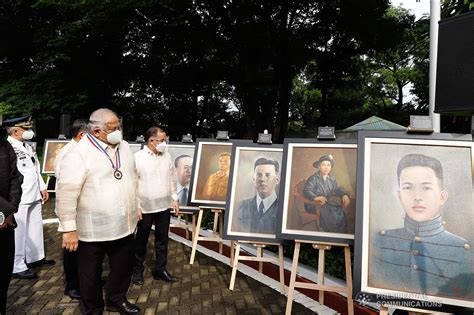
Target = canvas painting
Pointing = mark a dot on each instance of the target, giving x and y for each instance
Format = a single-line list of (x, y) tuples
[(50, 152), (253, 202), (418, 215), (319, 191)]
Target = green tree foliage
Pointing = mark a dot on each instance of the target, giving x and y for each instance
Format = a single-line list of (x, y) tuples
[(200, 66)]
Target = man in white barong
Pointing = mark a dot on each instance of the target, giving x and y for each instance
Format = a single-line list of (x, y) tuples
[(96, 207)]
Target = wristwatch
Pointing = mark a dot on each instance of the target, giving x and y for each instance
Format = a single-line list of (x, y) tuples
[(2, 218)]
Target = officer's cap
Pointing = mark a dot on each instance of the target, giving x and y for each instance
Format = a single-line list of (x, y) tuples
[(25, 122)]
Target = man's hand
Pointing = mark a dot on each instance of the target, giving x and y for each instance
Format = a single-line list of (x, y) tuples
[(44, 195), (7, 223), (321, 200), (140, 216), (70, 241), (175, 205), (345, 201)]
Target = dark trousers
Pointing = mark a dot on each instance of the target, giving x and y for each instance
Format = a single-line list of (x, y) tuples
[(7, 250), (90, 257), (70, 270), (162, 224)]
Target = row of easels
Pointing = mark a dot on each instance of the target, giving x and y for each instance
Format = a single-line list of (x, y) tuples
[(235, 257)]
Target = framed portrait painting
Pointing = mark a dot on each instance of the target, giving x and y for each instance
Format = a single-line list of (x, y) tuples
[(50, 152), (211, 169), (253, 199), (415, 236), (318, 191), (182, 156)]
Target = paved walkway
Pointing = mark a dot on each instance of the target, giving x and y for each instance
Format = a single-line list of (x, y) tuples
[(203, 288)]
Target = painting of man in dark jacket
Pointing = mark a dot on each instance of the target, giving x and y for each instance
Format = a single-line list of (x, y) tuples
[(329, 199), (258, 213)]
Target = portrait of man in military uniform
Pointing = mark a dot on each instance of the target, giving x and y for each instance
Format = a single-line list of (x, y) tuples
[(52, 148), (211, 172), (428, 250)]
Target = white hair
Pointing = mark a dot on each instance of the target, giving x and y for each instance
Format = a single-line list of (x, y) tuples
[(10, 130), (98, 118)]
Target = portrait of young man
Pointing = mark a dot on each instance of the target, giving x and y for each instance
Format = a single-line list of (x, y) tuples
[(423, 252), (254, 200)]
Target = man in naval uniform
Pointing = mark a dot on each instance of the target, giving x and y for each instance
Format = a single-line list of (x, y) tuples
[(258, 214), (29, 244), (422, 257), (215, 187)]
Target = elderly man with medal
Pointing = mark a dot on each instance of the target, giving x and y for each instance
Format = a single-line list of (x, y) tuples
[(96, 206)]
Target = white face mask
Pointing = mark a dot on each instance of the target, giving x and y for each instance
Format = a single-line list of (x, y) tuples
[(161, 147), (114, 137), (28, 135)]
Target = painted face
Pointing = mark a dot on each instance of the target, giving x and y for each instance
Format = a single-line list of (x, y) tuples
[(265, 179), (325, 167), (183, 170), (224, 162), (420, 194)]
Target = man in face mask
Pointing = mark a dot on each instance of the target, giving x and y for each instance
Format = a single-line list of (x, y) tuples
[(157, 190), (29, 243), (96, 207)]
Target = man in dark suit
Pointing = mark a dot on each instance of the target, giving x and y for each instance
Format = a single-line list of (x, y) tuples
[(10, 196), (258, 214)]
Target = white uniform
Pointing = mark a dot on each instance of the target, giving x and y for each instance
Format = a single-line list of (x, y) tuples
[(29, 244)]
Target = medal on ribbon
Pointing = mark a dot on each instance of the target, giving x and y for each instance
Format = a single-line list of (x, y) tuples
[(117, 172)]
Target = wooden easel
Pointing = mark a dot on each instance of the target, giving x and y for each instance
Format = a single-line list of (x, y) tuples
[(321, 247), (260, 259), (183, 222), (216, 236), (53, 189)]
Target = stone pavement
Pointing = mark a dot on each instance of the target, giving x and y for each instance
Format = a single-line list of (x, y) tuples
[(203, 288)]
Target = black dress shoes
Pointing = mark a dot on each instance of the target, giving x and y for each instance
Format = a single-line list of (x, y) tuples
[(27, 274), (41, 263), (124, 307), (137, 279), (165, 276), (73, 294)]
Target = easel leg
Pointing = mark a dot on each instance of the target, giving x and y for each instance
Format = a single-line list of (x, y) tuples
[(221, 219), (321, 274), (232, 246), (193, 223), (291, 289), (350, 302), (282, 269), (214, 226), (234, 267), (196, 236), (260, 255)]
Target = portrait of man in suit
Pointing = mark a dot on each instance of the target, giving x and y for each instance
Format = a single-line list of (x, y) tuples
[(258, 213)]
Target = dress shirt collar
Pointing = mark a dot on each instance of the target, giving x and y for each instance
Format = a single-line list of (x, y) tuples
[(104, 145), (15, 142), (267, 202), (425, 228), (150, 152), (179, 187)]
